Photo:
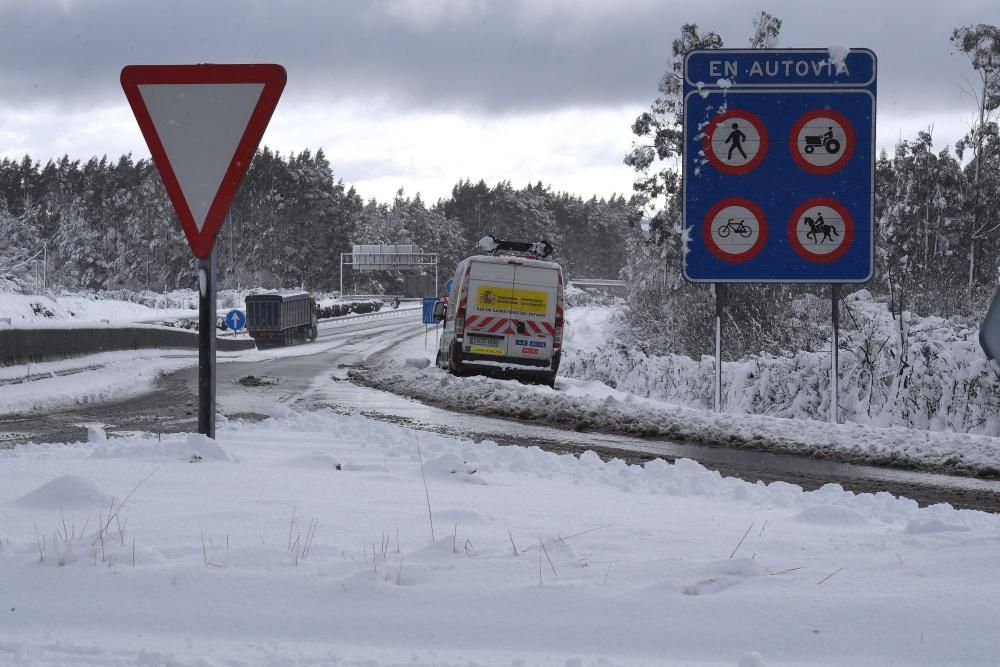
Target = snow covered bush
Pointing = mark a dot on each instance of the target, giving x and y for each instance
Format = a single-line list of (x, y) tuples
[(918, 372)]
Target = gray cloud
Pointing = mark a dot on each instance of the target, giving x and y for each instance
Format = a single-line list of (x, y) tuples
[(473, 56), (483, 56)]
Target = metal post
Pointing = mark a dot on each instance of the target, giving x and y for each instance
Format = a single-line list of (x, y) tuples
[(206, 346), (341, 275), (435, 274), (835, 357), (720, 289)]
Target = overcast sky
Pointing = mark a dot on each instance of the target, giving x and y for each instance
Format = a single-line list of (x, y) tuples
[(421, 93)]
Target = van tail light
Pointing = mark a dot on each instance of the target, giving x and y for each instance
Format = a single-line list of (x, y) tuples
[(557, 337), (460, 324)]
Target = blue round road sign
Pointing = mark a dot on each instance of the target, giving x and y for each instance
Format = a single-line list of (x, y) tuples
[(236, 320)]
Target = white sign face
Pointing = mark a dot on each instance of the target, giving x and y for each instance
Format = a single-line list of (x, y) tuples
[(733, 232), (821, 231), (735, 142), (200, 126)]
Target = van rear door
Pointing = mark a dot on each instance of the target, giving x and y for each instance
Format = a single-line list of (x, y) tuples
[(488, 311), (533, 312)]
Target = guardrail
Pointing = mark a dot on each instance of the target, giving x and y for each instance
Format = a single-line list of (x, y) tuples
[(378, 313)]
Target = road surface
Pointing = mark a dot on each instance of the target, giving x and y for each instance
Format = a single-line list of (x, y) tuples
[(318, 380)]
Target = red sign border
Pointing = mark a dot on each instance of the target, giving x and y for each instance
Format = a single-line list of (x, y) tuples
[(752, 251), (845, 157), (751, 118), (273, 78), (845, 215)]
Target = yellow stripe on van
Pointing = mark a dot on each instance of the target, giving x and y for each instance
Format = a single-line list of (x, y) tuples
[(480, 349), (503, 300)]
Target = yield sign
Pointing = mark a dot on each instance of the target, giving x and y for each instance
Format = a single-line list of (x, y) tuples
[(202, 124)]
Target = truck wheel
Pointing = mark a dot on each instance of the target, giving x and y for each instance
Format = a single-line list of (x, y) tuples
[(314, 333), (455, 359)]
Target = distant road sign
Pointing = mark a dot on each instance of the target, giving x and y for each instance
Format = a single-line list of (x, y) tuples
[(202, 124), (428, 309), (989, 332), (236, 320), (779, 149)]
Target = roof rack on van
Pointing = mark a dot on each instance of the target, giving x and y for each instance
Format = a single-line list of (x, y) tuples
[(537, 250)]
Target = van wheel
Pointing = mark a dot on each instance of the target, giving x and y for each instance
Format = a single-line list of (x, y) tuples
[(549, 380), (455, 359)]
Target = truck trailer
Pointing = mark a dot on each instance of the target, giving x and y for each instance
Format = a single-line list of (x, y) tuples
[(281, 319)]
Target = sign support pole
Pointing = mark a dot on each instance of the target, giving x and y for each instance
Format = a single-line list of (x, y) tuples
[(206, 346), (835, 357), (720, 289)]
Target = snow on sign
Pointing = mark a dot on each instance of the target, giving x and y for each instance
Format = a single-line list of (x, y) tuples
[(202, 124), (786, 137)]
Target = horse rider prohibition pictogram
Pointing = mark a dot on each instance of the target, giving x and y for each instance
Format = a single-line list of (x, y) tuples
[(735, 141), (821, 229), (822, 141), (735, 230)]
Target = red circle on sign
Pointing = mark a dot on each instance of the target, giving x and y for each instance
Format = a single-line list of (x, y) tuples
[(800, 211), (758, 125), (822, 170), (735, 258)]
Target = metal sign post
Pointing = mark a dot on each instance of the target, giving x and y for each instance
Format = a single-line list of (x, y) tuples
[(835, 356), (206, 346), (720, 290), (779, 170), (202, 124)]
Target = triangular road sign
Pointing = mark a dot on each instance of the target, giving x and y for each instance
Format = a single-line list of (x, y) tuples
[(202, 124)]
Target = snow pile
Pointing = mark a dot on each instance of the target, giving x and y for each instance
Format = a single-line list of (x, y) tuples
[(71, 309), (482, 555), (915, 372)]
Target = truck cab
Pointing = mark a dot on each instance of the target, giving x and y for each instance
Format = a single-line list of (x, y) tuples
[(504, 314)]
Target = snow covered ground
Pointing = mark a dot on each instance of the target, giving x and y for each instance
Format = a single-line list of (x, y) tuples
[(307, 540)]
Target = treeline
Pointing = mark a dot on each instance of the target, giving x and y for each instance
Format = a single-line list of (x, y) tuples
[(104, 224), (937, 222)]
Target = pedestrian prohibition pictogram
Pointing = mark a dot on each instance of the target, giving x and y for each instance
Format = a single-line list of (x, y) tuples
[(735, 141), (778, 165)]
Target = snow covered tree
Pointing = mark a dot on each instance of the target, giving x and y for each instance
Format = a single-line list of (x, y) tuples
[(981, 44)]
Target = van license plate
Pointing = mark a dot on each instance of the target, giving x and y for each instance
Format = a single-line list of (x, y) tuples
[(486, 341)]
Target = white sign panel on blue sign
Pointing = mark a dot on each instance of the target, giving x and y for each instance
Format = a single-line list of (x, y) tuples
[(779, 148)]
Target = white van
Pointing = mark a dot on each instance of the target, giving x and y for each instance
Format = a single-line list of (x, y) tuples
[(504, 314)]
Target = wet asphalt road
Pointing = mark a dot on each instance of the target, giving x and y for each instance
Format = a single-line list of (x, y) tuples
[(318, 380)]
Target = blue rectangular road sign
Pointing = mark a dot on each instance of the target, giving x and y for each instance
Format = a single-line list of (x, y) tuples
[(428, 309), (779, 165)]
